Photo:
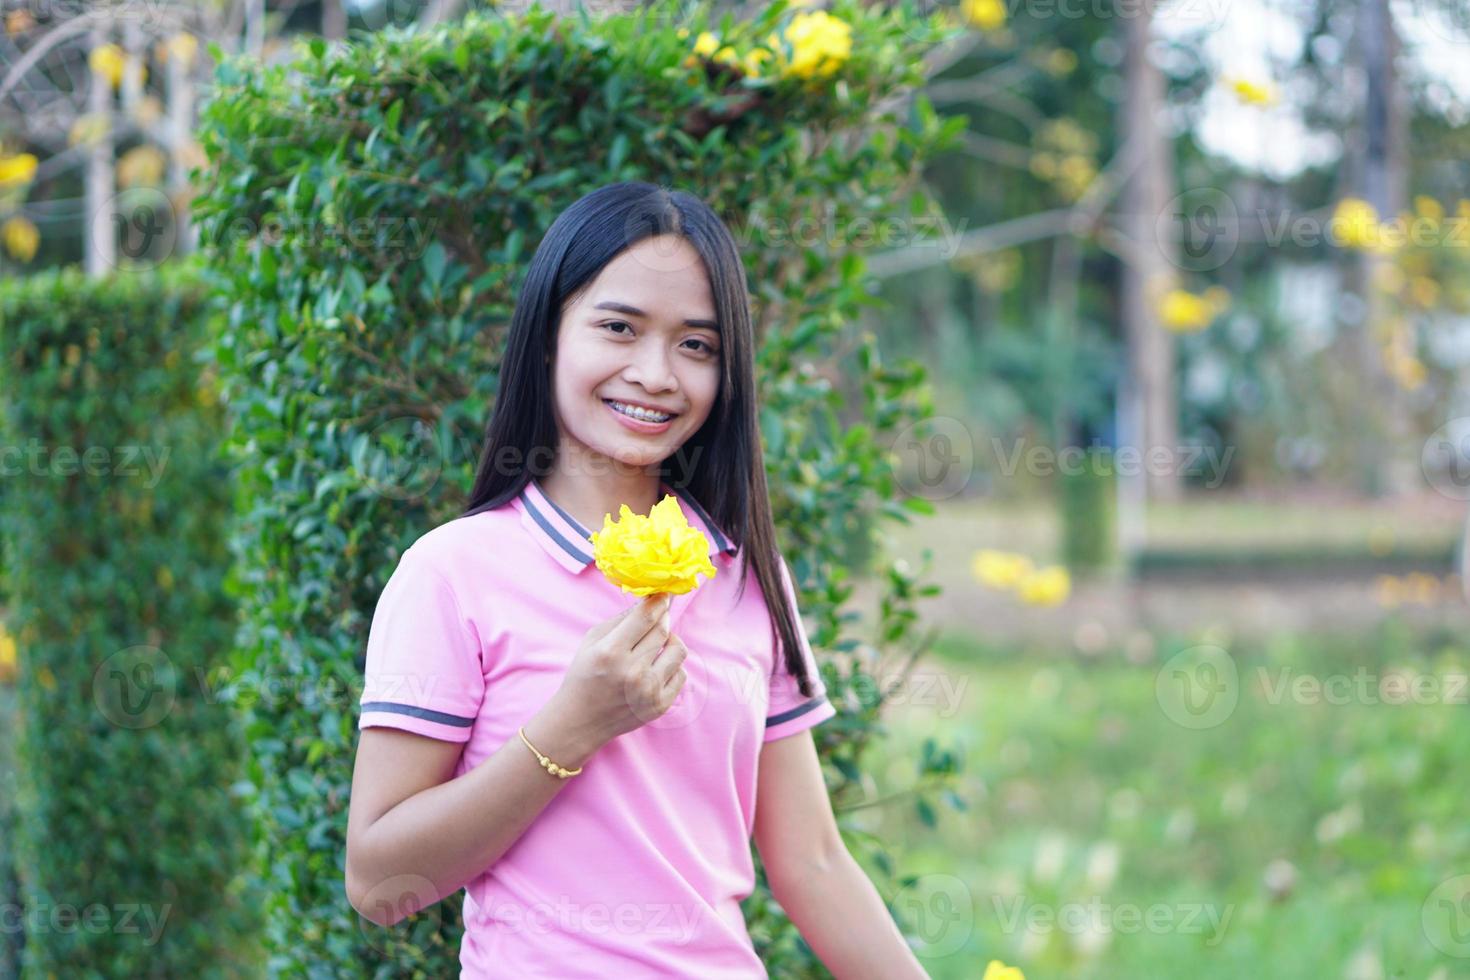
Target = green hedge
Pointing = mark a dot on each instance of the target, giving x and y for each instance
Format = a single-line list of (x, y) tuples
[(124, 762), (368, 212), (11, 937)]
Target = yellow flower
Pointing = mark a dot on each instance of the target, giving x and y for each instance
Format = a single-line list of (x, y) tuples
[(984, 14), (1254, 93), (999, 569), (1388, 591), (18, 169), (820, 44), (19, 21), (108, 61), (996, 970), (21, 238), (657, 553), (754, 59), (7, 657), (1424, 291), (1046, 587), (1356, 222), (706, 44), (1406, 369), (1427, 207), (142, 166), (183, 46), (1059, 62), (1185, 312)]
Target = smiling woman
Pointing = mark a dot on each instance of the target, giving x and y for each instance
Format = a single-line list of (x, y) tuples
[(569, 759)]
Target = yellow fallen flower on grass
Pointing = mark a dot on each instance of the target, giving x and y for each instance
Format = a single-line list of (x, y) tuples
[(999, 569), (996, 970), (1047, 586), (658, 553)]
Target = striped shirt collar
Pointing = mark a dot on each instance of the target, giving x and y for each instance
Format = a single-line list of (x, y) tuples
[(567, 541)]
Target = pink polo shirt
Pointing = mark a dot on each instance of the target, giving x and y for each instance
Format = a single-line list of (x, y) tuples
[(638, 866)]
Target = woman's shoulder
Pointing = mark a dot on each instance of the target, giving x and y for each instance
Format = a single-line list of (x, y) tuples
[(464, 540)]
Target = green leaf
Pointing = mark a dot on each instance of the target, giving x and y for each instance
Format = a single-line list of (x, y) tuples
[(435, 261)]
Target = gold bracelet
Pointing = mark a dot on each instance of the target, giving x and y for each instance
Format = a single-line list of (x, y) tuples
[(546, 763)]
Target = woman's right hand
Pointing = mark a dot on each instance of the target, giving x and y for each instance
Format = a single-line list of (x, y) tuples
[(628, 670)]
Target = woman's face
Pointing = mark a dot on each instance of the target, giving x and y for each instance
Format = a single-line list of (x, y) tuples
[(642, 333)]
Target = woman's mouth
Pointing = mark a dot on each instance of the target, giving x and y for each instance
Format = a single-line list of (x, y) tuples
[(638, 419)]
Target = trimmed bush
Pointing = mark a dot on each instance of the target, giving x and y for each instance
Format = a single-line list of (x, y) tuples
[(369, 210), (114, 519)]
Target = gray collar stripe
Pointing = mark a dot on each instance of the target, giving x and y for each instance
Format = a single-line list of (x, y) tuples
[(554, 534)]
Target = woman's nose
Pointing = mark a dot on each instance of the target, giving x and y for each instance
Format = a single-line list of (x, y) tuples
[(651, 368)]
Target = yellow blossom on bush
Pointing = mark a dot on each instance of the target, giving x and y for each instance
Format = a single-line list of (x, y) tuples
[(657, 553), (1406, 369), (1046, 587), (820, 44), (999, 569), (7, 656), (1059, 62), (1356, 223), (984, 14), (1427, 207), (708, 45), (18, 169), (21, 238), (1185, 312), (19, 21), (182, 46), (753, 60), (1424, 291), (142, 166), (996, 970), (88, 129), (107, 61), (1254, 93)]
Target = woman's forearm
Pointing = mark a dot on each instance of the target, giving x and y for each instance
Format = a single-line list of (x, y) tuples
[(843, 919), (447, 835)]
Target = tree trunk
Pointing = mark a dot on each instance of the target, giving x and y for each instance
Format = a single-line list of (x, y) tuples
[(1149, 269), (1388, 460), (100, 189), (334, 20)]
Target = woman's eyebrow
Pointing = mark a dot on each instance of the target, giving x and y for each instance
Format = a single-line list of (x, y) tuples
[(615, 306)]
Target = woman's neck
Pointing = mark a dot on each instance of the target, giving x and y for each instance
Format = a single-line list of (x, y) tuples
[(590, 491)]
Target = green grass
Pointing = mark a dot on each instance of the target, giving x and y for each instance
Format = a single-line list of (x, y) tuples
[(1068, 758)]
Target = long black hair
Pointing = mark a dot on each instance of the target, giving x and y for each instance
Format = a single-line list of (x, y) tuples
[(721, 465)]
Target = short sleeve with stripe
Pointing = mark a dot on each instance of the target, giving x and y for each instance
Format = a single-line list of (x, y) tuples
[(424, 672), (789, 712)]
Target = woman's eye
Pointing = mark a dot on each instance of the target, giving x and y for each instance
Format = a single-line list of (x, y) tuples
[(618, 323), (707, 348)]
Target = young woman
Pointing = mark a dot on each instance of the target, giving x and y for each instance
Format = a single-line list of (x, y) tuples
[(590, 768)]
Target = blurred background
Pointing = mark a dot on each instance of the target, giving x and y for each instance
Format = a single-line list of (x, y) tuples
[(1192, 304)]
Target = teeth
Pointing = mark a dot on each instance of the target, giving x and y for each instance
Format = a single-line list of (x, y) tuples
[(639, 413)]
